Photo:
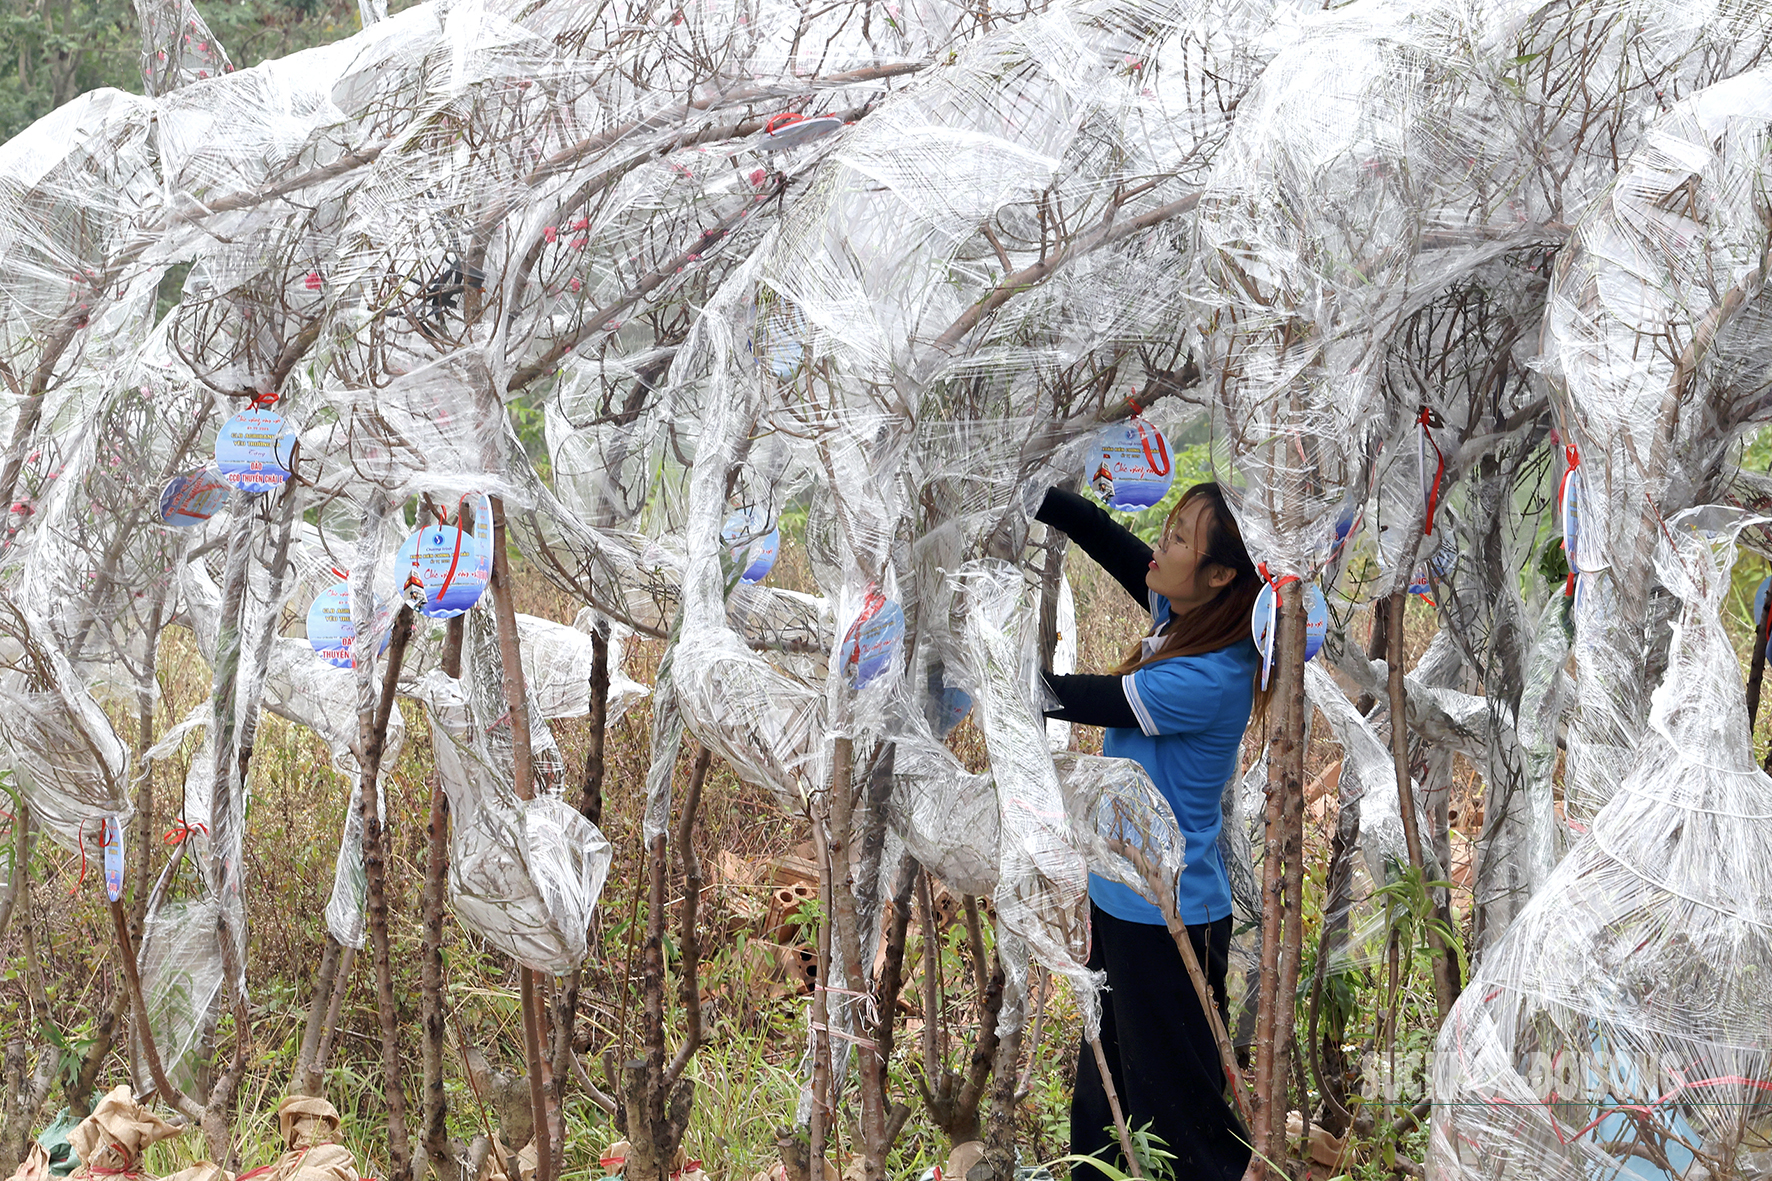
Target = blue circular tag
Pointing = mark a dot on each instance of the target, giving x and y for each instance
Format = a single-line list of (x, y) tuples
[(1572, 518), (193, 498), (1760, 606), (747, 547), (453, 567), (1262, 619), (872, 640), (253, 452), (1439, 565), (1131, 469), (113, 843)]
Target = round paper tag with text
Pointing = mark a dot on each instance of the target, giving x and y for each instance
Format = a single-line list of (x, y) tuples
[(193, 498), (749, 548), (253, 452), (330, 630), (1130, 467), (453, 567)]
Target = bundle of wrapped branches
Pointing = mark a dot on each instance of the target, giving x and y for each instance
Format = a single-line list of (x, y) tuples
[(112, 1141), (311, 1151)]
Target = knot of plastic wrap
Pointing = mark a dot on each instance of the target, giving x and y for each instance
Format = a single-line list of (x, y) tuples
[(1427, 420), (178, 832)]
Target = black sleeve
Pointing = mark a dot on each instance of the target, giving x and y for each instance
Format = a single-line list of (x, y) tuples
[(1091, 701), (1114, 547)]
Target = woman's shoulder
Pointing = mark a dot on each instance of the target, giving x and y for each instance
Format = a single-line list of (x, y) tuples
[(1226, 667)]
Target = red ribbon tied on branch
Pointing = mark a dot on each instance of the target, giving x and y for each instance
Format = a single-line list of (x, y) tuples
[(178, 832), (1273, 618), (1158, 460), (1427, 420)]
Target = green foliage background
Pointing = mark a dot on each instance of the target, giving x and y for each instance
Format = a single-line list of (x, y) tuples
[(54, 50)]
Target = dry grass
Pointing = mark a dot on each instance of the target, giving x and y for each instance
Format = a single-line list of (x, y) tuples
[(748, 1069)]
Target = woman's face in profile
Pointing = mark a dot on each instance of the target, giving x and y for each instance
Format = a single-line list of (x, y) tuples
[(1180, 571)]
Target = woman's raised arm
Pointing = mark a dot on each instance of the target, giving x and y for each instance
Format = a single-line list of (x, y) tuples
[(1114, 547)]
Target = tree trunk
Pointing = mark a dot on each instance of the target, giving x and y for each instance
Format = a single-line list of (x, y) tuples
[(998, 1162), (308, 1078), (433, 1130), (372, 737), (590, 800), (1282, 875), (523, 783), (655, 1097), (1445, 970)]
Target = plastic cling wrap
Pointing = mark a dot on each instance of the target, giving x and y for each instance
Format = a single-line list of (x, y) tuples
[(1042, 890), (1622, 1017), (523, 874)]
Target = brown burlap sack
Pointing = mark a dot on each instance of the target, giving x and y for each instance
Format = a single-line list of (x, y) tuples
[(35, 1166), (201, 1171), (310, 1134), (112, 1139)]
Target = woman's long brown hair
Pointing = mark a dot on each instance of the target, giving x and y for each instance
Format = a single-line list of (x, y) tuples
[(1224, 619)]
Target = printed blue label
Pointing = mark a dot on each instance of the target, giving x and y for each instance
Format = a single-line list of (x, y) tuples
[(330, 630), (872, 639), (1266, 613), (113, 842), (1131, 469), (453, 567), (193, 498), (748, 547), (253, 452)]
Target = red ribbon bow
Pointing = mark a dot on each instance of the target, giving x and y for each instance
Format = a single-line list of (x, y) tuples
[(178, 832)]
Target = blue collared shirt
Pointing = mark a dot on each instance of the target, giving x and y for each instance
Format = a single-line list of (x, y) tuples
[(1191, 711)]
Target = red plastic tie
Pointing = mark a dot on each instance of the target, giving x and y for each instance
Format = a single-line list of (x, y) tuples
[(870, 607), (80, 839), (268, 398), (1159, 467), (178, 832), (1425, 421), (454, 561), (785, 119), (1573, 458), (1269, 578)]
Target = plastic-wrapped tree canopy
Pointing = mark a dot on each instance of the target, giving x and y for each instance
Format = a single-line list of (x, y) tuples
[(1657, 326), (1619, 1027)]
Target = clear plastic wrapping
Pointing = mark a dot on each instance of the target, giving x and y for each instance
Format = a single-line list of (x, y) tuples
[(1623, 1014), (1042, 893), (524, 875), (1672, 255), (69, 762)]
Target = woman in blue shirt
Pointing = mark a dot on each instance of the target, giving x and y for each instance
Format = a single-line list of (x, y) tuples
[(1178, 705)]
